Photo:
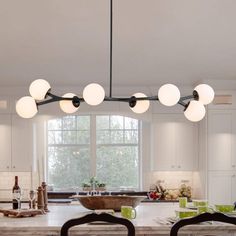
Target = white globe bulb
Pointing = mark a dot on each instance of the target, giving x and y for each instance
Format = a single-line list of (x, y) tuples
[(93, 94), (26, 107), (141, 105), (195, 111), (168, 94), (67, 105), (39, 88), (205, 92)]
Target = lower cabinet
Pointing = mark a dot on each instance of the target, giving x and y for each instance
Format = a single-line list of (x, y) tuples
[(222, 187)]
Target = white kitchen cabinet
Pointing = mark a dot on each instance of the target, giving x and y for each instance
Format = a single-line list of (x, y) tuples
[(5, 142), (15, 143), (163, 143), (174, 143), (186, 135), (21, 144), (222, 187), (221, 140)]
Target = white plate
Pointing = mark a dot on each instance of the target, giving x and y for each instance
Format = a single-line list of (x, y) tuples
[(233, 213)]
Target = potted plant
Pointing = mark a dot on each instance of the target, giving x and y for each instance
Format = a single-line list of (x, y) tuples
[(94, 184)]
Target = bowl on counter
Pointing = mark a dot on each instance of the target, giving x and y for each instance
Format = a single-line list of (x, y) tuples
[(108, 202)]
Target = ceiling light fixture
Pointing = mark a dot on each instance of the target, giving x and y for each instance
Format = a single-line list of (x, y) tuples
[(94, 94)]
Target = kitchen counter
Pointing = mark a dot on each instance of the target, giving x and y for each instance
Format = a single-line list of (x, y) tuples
[(69, 200), (146, 222)]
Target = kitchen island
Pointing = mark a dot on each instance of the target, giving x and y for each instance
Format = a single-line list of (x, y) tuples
[(146, 223)]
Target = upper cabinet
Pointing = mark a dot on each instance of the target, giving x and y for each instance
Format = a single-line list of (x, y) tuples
[(15, 143), (174, 143), (21, 144), (221, 140), (5, 142)]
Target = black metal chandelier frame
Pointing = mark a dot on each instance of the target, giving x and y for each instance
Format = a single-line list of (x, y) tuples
[(50, 97)]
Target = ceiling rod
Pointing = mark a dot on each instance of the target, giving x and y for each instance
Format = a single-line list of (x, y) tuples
[(111, 48)]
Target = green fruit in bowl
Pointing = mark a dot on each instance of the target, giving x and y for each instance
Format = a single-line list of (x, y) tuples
[(224, 208)]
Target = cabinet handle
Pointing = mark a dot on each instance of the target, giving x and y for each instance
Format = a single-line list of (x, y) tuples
[(13, 167), (7, 167), (233, 165), (179, 166), (233, 176), (172, 166)]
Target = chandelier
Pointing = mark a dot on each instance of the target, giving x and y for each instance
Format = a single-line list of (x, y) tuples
[(94, 94)]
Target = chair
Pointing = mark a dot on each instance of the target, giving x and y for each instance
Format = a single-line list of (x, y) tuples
[(201, 218), (98, 217)]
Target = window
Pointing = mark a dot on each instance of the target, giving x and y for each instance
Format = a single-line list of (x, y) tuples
[(104, 146)]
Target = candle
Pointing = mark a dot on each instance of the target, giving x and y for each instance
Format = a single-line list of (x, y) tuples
[(31, 177), (38, 167), (43, 167)]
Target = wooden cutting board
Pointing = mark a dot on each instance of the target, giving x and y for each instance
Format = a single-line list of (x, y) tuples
[(21, 212)]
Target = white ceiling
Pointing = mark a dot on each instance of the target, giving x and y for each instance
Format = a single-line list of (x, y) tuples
[(155, 41)]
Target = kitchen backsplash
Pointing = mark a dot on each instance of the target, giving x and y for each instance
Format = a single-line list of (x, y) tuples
[(171, 180), (7, 181)]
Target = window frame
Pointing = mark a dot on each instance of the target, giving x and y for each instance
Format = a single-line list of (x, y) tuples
[(92, 145)]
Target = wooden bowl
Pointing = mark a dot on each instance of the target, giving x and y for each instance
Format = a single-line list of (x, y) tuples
[(108, 202)]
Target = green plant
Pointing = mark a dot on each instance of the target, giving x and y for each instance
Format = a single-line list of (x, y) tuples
[(101, 185), (94, 182), (84, 185)]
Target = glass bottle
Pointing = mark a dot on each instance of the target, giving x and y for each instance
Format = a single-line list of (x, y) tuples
[(15, 187)]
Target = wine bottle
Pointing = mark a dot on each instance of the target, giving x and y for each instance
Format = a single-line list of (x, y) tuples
[(15, 187)]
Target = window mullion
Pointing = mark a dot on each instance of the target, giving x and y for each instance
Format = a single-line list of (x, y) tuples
[(93, 148), (140, 157)]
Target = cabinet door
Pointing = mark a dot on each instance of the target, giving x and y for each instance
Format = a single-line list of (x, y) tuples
[(186, 135), (163, 143), (5, 142), (21, 144), (233, 188), (220, 138), (221, 187), (233, 140)]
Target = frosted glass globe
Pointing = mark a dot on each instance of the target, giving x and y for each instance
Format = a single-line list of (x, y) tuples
[(168, 94), (93, 94), (195, 111), (205, 92), (39, 88), (67, 105), (141, 105), (26, 107)]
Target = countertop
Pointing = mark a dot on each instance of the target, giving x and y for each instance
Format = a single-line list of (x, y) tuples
[(69, 200), (146, 223)]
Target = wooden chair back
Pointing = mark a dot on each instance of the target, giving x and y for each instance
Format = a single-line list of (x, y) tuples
[(98, 217), (220, 217)]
